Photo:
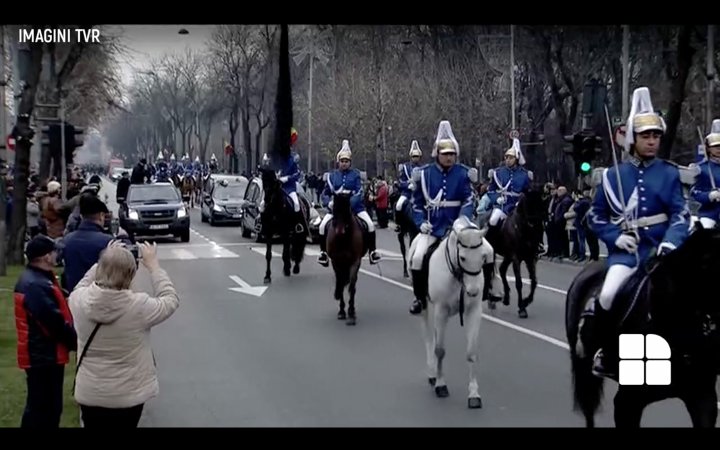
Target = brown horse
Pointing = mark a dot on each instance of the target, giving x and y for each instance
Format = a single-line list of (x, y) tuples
[(517, 241), (345, 248)]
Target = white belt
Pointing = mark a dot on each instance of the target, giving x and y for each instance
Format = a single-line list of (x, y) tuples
[(511, 194), (447, 204), (649, 220)]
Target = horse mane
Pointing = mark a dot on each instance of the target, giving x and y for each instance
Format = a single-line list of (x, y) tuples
[(342, 212)]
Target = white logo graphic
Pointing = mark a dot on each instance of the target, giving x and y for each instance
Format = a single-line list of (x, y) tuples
[(644, 360)]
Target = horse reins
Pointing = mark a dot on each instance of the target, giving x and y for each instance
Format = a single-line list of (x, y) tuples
[(459, 271)]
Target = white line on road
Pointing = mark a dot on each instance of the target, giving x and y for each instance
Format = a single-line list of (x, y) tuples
[(541, 286), (535, 334)]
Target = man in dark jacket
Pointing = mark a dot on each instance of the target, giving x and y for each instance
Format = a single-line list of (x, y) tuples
[(140, 172), (564, 201), (45, 335), (123, 186), (82, 247)]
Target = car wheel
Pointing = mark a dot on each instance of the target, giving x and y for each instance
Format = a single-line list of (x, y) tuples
[(185, 236), (211, 221), (203, 218)]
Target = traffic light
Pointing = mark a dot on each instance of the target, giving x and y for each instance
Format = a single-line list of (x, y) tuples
[(585, 147), (52, 138)]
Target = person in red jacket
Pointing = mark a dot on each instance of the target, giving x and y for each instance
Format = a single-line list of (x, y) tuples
[(45, 335), (381, 202)]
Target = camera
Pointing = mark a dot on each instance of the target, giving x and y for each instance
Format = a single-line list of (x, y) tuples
[(132, 246)]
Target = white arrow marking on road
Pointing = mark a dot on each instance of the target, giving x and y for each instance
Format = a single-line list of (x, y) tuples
[(245, 288)]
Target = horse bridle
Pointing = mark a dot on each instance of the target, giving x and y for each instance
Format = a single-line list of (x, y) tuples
[(459, 271)]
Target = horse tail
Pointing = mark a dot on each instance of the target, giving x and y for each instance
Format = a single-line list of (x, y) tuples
[(587, 388)]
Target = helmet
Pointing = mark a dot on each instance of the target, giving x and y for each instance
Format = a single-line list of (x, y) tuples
[(642, 116), (516, 152), (344, 152), (713, 139), (415, 149), (445, 141)]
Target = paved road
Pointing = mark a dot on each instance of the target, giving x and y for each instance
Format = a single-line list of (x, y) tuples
[(282, 359)]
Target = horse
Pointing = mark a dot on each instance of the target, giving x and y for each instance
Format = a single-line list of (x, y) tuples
[(455, 287), (346, 247), (405, 227), (187, 189), (278, 218), (517, 241), (671, 297)]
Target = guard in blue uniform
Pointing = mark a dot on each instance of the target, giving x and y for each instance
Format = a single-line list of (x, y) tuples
[(213, 166), (161, 167), (706, 191), (405, 175), (443, 192), (653, 215), (289, 175), (197, 165), (346, 179)]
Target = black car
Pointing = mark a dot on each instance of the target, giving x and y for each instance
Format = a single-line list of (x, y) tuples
[(223, 199), (155, 210)]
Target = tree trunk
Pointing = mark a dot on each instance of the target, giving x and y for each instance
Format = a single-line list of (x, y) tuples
[(23, 134), (685, 53)]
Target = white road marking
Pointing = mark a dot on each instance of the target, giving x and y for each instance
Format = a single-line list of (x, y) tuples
[(535, 334), (181, 253)]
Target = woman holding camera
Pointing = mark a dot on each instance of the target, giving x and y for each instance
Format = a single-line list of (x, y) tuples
[(116, 369)]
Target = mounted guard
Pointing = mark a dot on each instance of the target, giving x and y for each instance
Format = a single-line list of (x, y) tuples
[(443, 192), (639, 208), (507, 182), (346, 179), (405, 175), (162, 174), (705, 190)]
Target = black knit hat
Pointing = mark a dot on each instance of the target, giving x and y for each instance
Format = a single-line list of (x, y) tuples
[(39, 246)]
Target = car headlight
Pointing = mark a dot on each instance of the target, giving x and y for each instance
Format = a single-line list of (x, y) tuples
[(182, 212), (217, 208), (133, 215)]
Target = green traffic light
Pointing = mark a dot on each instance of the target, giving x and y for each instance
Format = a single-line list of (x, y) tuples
[(585, 167)]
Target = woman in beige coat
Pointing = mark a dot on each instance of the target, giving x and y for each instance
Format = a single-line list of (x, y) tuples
[(117, 375)]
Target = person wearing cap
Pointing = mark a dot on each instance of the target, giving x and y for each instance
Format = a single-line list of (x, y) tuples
[(405, 175), (51, 211), (507, 182), (652, 217), (45, 335), (705, 190), (213, 166), (82, 247), (346, 179), (443, 192)]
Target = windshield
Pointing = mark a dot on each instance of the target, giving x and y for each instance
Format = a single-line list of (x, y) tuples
[(151, 193), (230, 192)]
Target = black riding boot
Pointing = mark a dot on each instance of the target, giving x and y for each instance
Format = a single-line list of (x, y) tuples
[(374, 256), (323, 259), (420, 290), (597, 327)]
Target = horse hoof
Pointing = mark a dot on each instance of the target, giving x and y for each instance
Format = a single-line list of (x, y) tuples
[(296, 270), (286, 272), (341, 315), (441, 391), (350, 321), (474, 403), (266, 280), (506, 300), (523, 314), (406, 275), (492, 305), (431, 381)]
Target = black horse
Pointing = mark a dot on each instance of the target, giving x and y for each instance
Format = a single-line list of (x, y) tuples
[(517, 240), (670, 296), (405, 227), (278, 219)]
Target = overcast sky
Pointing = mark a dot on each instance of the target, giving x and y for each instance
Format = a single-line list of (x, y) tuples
[(149, 42)]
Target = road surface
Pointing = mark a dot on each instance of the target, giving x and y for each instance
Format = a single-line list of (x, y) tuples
[(229, 358)]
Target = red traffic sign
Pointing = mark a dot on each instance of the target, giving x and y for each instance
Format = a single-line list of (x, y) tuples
[(514, 134), (10, 142)]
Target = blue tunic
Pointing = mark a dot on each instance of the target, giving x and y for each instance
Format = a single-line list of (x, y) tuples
[(441, 196)]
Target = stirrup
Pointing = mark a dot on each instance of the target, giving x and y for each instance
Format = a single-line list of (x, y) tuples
[(323, 259), (374, 257), (299, 228)]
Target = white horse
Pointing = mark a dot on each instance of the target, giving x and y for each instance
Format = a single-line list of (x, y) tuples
[(455, 286)]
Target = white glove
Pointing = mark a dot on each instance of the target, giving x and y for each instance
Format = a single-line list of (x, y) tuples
[(330, 205), (500, 200), (714, 195), (426, 228), (665, 248), (627, 243), (284, 179)]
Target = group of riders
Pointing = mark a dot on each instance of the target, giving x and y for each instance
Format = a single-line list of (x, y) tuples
[(639, 209), (165, 172)]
